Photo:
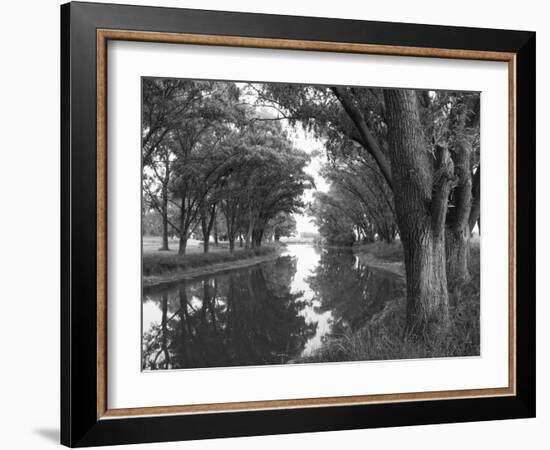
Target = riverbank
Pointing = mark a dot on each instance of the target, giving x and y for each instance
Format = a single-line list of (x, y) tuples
[(381, 338), (380, 255), (160, 268)]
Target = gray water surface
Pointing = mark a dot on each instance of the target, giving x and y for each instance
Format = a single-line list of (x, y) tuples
[(270, 313)]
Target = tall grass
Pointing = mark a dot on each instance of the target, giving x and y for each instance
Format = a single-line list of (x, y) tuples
[(159, 263), (382, 338)]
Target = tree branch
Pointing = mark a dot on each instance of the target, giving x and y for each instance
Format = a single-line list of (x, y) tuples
[(368, 140)]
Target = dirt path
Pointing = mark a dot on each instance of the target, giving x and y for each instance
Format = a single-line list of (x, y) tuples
[(172, 277)]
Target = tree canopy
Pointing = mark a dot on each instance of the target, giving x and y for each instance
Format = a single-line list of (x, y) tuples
[(207, 150)]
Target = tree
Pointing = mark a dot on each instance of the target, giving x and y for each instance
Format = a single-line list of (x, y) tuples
[(335, 227), (200, 162), (267, 179), (156, 184), (283, 224), (408, 135), (363, 196), (166, 102), (464, 198), (421, 184), (208, 216)]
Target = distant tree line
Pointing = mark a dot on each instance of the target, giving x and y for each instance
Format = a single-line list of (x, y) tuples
[(213, 165)]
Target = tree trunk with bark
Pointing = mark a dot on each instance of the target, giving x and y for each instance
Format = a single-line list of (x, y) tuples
[(248, 239), (476, 201), (182, 244), (421, 187), (458, 228), (208, 215), (182, 229), (164, 213)]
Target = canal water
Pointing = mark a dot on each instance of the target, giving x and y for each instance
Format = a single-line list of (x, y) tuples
[(271, 313)]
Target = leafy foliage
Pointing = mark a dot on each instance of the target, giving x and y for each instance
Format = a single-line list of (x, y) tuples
[(205, 149)]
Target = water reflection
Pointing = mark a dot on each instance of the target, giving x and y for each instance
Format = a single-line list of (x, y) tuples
[(271, 313), (350, 290), (245, 317)]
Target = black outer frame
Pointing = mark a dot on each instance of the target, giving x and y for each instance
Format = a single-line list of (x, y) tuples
[(79, 424)]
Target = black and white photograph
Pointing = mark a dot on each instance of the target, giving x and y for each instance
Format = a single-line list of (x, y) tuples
[(275, 225), (291, 224)]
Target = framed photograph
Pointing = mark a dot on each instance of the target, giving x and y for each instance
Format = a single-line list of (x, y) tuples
[(276, 224)]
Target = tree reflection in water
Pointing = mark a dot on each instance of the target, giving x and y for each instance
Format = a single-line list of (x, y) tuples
[(254, 316), (349, 289), (245, 317)]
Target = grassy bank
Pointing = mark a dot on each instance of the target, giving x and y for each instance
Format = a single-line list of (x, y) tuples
[(382, 251), (161, 267), (383, 336), (383, 256)]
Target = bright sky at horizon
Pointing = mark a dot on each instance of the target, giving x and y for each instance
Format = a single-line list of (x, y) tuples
[(307, 142)]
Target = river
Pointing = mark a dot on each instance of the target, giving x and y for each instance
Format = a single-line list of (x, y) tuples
[(271, 313)]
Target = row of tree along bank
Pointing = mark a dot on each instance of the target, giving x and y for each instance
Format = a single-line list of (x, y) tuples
[(159, 268), (213, 162), (400, 162), (384, 334)]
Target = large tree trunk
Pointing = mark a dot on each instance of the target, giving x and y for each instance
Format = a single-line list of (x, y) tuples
[(420, 193), (457, 249), (427, 297), (458, 227)]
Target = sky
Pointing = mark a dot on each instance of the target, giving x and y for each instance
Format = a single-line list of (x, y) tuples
[(307, 142)]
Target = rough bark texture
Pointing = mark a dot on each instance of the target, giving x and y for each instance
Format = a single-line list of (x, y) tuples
[(421, 187), (458, 228), (476, 201)]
